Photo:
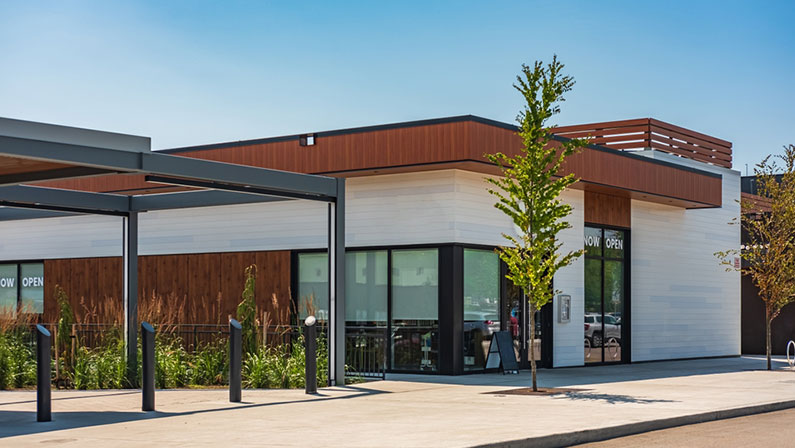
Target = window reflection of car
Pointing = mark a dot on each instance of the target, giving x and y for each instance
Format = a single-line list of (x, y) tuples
[(484, 322), (594, 332)]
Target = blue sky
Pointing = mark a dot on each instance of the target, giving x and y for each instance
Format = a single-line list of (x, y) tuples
[(196, 72)]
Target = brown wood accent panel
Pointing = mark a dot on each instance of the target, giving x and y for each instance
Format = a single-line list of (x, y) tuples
[(607, 209), (193, 288), (639, 178), (16, 165), (650, 133), (460, 145)]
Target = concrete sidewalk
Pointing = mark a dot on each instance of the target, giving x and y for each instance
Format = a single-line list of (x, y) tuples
[(412, 410)]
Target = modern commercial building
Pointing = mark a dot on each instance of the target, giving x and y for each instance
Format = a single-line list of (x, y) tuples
[(652, 206)]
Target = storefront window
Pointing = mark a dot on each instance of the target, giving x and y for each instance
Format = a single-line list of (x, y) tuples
[(415, 309), (593, 310), (366, 278), (31, 282), (604, 294), (481, 305), (313, 286), (8, 287), (365, 287)]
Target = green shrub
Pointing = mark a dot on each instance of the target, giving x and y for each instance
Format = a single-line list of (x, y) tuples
[(210, 364), (247, 312), (17, 360), (255, 369), (283, 367), (6, 370), (103, 367), (171, 363)]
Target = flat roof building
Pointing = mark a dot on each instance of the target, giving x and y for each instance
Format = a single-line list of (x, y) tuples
[(652, 206)]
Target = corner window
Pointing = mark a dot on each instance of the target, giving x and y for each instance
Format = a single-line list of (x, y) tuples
[(481, 305)]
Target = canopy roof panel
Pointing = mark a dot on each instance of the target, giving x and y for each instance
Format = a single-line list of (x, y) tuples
[(31, 152)]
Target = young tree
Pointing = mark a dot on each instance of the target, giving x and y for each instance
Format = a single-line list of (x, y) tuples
[(769, 224), (529, 191)]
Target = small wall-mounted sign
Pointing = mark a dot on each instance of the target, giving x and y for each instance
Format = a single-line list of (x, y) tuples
[(564, 308), (737, 263)]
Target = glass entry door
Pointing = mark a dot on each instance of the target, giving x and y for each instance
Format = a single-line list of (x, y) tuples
[(605, 295)]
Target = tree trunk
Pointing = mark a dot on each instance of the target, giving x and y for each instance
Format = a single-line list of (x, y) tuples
[(533, 345), (768, 319)]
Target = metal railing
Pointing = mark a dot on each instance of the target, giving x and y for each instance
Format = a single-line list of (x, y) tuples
[(365, 351), (366, 347)]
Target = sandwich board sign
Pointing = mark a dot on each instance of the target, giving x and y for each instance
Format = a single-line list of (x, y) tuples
[(501, 353)]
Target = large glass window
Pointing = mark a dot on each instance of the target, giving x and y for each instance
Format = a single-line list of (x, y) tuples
[(313, 286), (415, 309), (8, 287), (604, 294), (366, 283), (481, 305), (31, 282)]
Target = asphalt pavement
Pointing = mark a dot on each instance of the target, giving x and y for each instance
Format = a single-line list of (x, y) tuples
[(771, 429)]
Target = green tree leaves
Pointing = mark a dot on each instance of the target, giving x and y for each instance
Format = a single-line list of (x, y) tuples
[(529, 190)]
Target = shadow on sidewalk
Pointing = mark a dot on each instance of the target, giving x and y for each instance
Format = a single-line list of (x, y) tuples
[(609, 398), (16, 423)]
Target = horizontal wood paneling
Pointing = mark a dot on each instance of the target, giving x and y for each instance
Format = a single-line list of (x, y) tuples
[(607, 210), (650, 133), (197, 288), (460, 145), (16, 165)]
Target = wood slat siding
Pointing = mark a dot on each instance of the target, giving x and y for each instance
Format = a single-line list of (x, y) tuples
[(207, 287), (607, 210), (650, 133), (460, 145), (16, 165)]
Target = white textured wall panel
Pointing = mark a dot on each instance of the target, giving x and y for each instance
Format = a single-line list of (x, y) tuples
[(381, 210), (567, 338), (80, 236), (684, 304)]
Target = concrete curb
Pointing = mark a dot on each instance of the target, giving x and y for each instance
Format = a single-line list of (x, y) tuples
[(611, 432)]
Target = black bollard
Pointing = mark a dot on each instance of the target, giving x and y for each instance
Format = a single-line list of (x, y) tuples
[(310, 336), (43, 375), (148, 367), (235, 360)]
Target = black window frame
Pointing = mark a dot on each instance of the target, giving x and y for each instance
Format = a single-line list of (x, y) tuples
[(626, 314)]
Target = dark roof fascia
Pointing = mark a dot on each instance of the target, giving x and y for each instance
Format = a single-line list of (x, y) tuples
[(432, 121)]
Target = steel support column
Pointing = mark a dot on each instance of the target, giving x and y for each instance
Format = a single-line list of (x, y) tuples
[(336, 275), (130, 294)]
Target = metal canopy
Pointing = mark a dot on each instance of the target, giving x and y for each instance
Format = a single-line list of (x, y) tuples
[(31, 151)]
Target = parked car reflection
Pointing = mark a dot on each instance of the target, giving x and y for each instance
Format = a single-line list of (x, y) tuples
[(596, 330)]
